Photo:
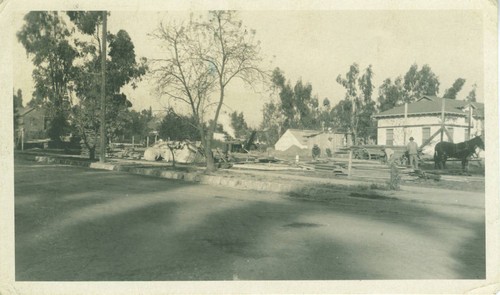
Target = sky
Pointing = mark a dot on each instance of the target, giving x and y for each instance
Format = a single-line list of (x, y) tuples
[(316, 46)]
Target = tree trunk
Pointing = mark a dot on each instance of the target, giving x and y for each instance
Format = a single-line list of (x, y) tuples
[(92, 153), (173, 155), (353, 118), (354, 136), (209, 155), (206, 141)]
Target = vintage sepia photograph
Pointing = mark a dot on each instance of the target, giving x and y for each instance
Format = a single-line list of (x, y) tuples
[(222, 145)]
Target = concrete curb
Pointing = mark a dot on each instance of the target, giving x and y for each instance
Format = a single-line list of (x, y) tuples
[(218, 180), (103, 166), (286, 186), (247, 184), (46, 159)]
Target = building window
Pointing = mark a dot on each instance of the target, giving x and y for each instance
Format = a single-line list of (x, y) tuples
[(389, 137), (450, 131), (426, 133)]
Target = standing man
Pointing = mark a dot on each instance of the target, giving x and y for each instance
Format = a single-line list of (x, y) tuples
[(412, 149)]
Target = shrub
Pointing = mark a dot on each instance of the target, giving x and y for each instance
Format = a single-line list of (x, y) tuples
[(328, 152), (395, 177), (316, 151)]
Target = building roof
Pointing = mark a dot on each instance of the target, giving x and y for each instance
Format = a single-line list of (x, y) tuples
[(432, 105), (25, 110), (303, 135)]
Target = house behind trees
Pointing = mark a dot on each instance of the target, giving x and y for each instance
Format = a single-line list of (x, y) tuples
[(34, 122)]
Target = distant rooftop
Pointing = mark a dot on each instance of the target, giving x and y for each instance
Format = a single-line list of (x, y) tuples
[(304, 135), (432, 105), (23, 111)]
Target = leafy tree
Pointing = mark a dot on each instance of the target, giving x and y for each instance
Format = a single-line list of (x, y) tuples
[(409, 88), (286, 95), (454, 89), (177, 127), (472, 94), (367, 126), (203, 57), (18, 99), (326, 119), (17, 103), (358, 106), (121, 69), (46, 38), (239, 125), (366, 85), (326, 103), (341, 116), (299, 107), (219, 128), (272, 126), (420, 82), (137, 124), (391, 94)]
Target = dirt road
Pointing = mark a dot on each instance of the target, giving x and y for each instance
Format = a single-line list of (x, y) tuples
[(75, 223)]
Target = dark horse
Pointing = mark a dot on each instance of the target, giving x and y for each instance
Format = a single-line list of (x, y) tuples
[(462, 151)]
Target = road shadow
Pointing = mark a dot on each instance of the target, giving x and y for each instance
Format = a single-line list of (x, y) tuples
[(147, 230), (45, 196), (471, 255)]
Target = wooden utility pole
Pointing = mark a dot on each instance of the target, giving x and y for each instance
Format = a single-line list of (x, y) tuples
[(442, 119), (349, 164), (103, 86), (405, 122), (470, 122)]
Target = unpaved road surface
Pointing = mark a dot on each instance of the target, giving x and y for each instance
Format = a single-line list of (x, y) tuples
[(75, 223)]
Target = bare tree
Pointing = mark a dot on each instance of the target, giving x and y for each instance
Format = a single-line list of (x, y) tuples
[(202, 58)]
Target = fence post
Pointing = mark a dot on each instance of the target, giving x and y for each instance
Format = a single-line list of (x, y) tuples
[(469, 122), (405, 122), (442, 118), (349, 165)]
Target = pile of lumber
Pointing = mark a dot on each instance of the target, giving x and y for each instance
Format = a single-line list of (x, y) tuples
[(425, 175), (126, 153), (267, 167)]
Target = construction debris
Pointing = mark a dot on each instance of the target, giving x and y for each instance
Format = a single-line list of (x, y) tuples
[(180, 152), (424, 175)]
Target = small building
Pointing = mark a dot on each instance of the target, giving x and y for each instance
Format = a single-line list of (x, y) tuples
[(34, 123), (422, 121), (306, 139)]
